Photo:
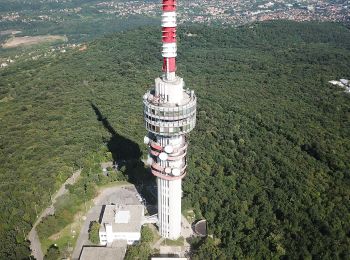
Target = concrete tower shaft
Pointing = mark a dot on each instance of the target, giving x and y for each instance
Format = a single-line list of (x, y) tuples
[(169, 114)]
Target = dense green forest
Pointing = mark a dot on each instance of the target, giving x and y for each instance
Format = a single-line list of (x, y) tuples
[(269, 159)]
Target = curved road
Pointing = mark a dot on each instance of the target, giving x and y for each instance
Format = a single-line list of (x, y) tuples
[(35, 245)]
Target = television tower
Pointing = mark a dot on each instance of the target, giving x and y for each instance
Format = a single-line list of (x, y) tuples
[(169, 114)]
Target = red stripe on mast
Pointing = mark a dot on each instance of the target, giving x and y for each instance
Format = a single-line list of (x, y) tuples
[(169, 34), (169, 5), (169, 64)]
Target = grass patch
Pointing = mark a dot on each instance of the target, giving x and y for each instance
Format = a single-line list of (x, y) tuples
[(155, 233), (178, 242), (189, 215), (66, 238), (113, 184)]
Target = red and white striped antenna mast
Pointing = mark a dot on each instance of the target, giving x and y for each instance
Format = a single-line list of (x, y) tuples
[(169, 47)]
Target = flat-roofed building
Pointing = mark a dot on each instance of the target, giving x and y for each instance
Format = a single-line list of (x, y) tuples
[(121, 222), (103, 253)]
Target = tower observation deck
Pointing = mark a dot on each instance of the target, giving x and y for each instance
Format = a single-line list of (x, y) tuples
[(169, 114)]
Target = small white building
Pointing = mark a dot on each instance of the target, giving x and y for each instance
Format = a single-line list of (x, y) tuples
[(121, 222), (345, 82), (336, 83)]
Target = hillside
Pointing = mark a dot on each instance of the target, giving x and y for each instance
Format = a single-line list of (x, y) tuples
[(269, 160)]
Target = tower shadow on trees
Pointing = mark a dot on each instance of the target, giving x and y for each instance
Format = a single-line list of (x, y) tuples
[(127, 155), (122, 149)]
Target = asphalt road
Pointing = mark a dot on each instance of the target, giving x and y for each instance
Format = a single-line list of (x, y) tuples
[(125, 194), (35, 244)]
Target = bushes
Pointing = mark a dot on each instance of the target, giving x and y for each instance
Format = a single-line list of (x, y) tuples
[(93, 232), (146, 234), (53, 253)]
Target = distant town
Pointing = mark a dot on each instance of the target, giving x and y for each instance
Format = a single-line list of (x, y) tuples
[(71, 24), (232, 12)]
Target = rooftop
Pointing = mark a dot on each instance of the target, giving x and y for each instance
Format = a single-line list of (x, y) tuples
[(102, 253), (123, 218), (201, 227)]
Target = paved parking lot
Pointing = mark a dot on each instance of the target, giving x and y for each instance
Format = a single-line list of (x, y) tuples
[(125, 194)]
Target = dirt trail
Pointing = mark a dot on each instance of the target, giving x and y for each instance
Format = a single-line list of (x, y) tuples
[(35, 244)]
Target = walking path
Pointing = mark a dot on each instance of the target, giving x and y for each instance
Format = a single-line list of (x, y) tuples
[(35, 244), (158, 243)]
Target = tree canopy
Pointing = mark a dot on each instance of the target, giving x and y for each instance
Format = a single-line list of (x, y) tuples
[(269, 159)]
